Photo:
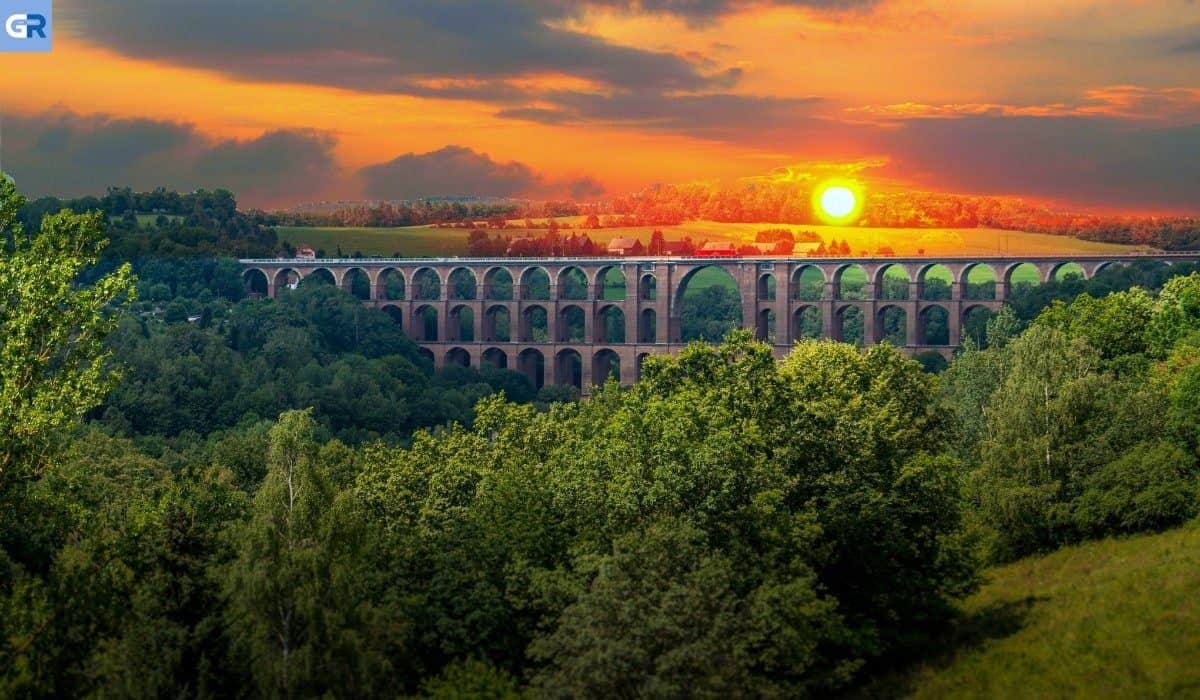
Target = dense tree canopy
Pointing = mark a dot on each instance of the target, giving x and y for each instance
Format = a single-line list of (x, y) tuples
[(280, 498)]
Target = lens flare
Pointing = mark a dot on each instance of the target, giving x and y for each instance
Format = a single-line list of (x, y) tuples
[(838, 202)]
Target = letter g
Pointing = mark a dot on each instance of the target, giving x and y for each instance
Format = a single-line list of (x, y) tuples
[(15, 26)]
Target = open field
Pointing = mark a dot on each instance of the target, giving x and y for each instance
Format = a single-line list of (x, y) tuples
[(1115, 618), (420, 241)]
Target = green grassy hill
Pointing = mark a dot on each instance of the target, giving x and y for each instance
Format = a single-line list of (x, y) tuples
[(1116, 618)]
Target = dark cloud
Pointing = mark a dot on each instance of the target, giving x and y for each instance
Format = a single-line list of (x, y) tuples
[(67, 154), (468, 49), (584, 188), (461, 171), (706, 10), (712, 116), (376, 45), (274, 165), (452, 170), (1089, 161), (1189, 47)]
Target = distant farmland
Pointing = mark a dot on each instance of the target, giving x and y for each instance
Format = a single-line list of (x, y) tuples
[(429, 241)]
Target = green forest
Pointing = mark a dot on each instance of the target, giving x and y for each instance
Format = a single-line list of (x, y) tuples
[(208, 495)]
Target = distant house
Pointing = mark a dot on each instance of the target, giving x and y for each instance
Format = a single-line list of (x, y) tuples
[(622, 246), (674, 248), (808, 248), (885, 251), (722, 249), (305, 253)]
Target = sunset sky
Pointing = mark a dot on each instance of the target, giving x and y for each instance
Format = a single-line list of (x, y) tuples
[(1087, 103)]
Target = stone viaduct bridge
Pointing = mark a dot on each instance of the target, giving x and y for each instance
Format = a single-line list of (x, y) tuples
[(578, 320)]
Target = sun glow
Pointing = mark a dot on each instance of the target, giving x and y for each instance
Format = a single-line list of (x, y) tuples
[(838, 201)]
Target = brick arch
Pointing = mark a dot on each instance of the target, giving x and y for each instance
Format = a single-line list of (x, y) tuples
[(882, 314), (459, 356), (414, 290), (560, 279), (794, 282), (525, 280), (451, 283), (267, 284), (598, 283), (347, 285), (487, 292), (381, 279)]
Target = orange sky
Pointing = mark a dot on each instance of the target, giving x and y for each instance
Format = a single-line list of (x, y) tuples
[(1105, 96)]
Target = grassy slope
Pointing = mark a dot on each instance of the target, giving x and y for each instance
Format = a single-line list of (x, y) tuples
[(430, 241), (1116, 618)]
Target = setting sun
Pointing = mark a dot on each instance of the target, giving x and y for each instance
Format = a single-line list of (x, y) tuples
[(838, 201)]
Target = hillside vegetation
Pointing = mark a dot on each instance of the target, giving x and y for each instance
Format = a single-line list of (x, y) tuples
[(1113, 618), (422, 241)]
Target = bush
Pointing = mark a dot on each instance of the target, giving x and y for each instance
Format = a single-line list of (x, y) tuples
[(1151, 487)]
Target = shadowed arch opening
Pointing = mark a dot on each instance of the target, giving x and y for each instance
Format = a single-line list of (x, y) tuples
[(605, 364), (458, 357), (648, 288), (610, 284), (709, 304), (892, 326), (390, 285), (572, 284), (974, 324), (979, 281), (358, 283), (495, 358), (766, 287), (532, 364), (639, 363), (571, 325), (935, 282), (808, 283), (850, 282), (808, 323), (892, 282), (426, 354), (535, 284), (497, 326), (1067, 271), (426, 284), (648, 326), (498, 284), (255, 282), (461, 324), (425, 324), (764, 329), (933, 327), (1022, 275), (535, 325), (848, 325), (461, 284), (1106, 266), (319, 276), (396, 315), (286, 279), (569, 368), (610, 325)]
